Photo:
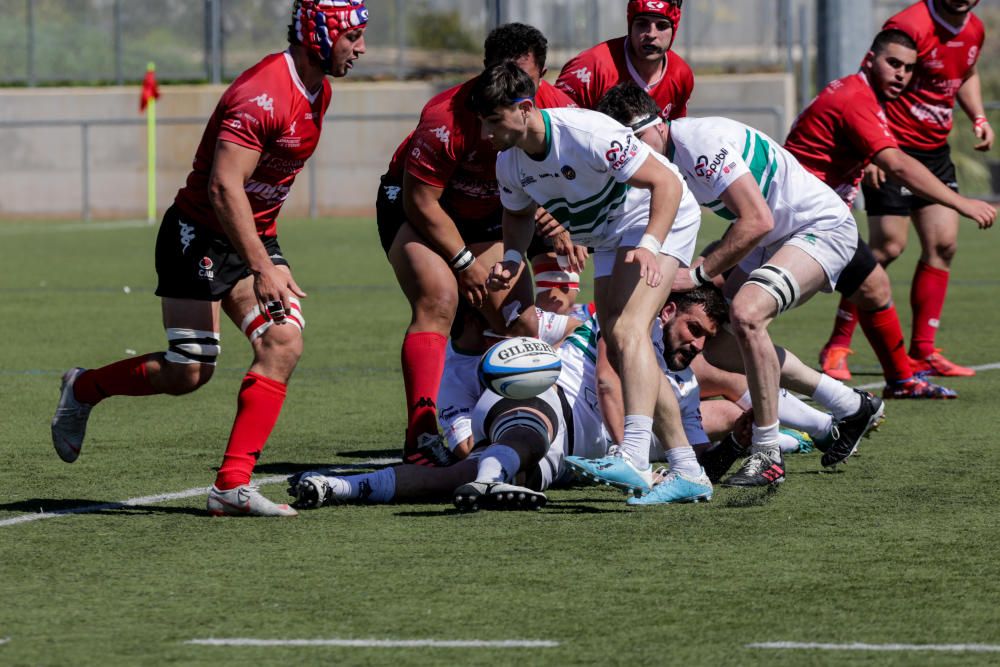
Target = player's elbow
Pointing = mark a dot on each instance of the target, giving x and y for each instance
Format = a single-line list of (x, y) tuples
[(219, 190)]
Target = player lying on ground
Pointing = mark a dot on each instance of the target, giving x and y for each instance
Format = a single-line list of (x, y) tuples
[(614, 195), (835, 137), (791, 236), (532, 437)]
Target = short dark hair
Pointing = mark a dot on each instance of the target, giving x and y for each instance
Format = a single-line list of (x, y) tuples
[(707, 296), (626, 101), (892, 36), (511, 41), (500, 86)]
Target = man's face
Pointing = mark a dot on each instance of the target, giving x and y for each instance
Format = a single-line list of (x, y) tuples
[(559, 300), (506, 125), (346, 50), (650, 36), (958, 6), (891, 70), (655, 137), (529, 66), (684, 334)]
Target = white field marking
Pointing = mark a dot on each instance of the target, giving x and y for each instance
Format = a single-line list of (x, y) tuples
[(177, 495), (382, 643), (857, 646), (4, 640), (982, 367)]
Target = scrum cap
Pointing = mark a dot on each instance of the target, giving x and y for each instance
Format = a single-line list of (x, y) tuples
[(320, 23), (670, 9)]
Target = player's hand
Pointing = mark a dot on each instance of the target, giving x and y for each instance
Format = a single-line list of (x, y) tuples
[(980, 212), (648, 266), (472, 283), (983, 132), (873, 176), (743, 428), (568, 254), (502, 275), (682, 281), (547, 226), (273, 287)]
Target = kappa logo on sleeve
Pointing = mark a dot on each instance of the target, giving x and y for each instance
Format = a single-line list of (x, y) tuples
[(583, 74), (442, 134), (264, 102)]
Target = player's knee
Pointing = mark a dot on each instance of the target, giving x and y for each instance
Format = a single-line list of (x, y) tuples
[(436, 311), (875, 292), (180, 379), (281, 344), (888, 250), (945, 251), (769, 291), (189, 360), (528, 431), (626, 333)]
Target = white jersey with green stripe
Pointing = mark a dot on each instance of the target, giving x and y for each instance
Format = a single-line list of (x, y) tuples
[(713, 152), (581, 179)]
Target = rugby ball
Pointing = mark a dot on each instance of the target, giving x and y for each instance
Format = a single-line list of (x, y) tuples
[(519, 367)]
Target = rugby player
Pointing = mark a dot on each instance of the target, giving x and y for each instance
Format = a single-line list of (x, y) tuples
[(612, 194), (644, 56), (840, 132), (949, 40), (439, 224), (791, 236), (217, 245)]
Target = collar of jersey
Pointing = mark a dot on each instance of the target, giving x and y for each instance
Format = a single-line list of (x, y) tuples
[(937, 18), (548, 138)]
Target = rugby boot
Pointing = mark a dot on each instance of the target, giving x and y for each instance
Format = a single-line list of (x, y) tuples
[(937, 364), (432, 451), (833, 362), (675, 487), (917, 387), (475, 496), (613, 470), (720, 459), (851, 429), (758, 470), (69, 425), (244, 500), (804, 440), (310, 490)]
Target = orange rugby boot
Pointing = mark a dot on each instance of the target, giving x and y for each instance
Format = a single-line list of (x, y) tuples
[(833, 362), (937, 364)]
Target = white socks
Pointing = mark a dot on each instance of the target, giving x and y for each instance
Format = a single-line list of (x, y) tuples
[(765, 439), (683, 460), (638, 436), (840, 399), (499, 464), (794, 413), (372, 487)]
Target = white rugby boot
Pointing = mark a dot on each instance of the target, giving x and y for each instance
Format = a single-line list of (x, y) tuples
[(244, 500), (69, 425)]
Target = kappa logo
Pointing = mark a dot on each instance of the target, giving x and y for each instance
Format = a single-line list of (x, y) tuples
[(392, 192), (264, 102), (187, 235), (442, 133), (291, 128), (583, 74)]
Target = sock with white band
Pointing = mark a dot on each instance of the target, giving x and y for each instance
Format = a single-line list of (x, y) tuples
[(637, 438)]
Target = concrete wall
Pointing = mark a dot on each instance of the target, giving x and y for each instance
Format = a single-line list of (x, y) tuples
[(41, 173)]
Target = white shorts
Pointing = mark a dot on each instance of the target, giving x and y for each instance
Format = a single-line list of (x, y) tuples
[(679, 244), (832, 247)]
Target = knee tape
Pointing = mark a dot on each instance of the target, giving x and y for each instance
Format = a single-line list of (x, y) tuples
[(255, 323), (191, 346), (777, 282)]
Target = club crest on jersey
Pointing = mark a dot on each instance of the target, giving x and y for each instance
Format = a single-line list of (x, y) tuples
[(205, 268), (568, 173)]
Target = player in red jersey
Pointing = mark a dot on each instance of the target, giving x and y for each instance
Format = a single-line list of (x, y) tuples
[(439, 223), (840, 132), (949, 40), (217, 245), (643, 56)]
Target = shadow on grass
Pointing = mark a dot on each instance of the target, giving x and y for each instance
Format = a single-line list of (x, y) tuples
[(370, 454), (751, 497), (88, 506)]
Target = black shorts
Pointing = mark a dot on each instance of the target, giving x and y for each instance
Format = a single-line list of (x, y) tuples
[(894, 199), (194, 262), (857, 270), (390, 217)]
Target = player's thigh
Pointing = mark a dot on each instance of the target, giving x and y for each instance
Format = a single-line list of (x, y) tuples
[(754, 302), (719, 417), (887, 235), (722, 351), (626, 294), (425, 278), (190, 314)]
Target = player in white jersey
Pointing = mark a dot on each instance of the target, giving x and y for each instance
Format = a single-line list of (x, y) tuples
[(536, 434), (791, 237), (614, 195)]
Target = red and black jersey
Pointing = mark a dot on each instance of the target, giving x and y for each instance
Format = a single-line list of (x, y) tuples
[(447, 151), (921, 118), (840, 132), (587, 77), (266, 109)]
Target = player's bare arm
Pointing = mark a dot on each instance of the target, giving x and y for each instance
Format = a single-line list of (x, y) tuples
[(422, 203), (518, 228), (665, 191), (753, 222), (920, 180), (231, 169), (970, 97)]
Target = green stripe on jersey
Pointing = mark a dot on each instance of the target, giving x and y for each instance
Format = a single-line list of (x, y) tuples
[(585, 338), (586, 215)]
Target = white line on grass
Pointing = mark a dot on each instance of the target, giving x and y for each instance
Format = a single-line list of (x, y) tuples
[(4, 640), (982, 367), (857, 646), (381, 643), (178, 495)]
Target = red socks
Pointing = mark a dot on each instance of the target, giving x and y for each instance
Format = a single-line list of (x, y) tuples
[(927, 300), (127, 377), (258, 406), (423, 364), (886, 337), (843, 326)]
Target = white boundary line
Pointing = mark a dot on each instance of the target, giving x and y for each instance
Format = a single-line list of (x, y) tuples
[(381, 643), (857, 646), (177, 495), (4, 640), (982, 367)]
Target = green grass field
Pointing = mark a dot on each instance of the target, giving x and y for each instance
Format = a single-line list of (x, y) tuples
[(900, 546)]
